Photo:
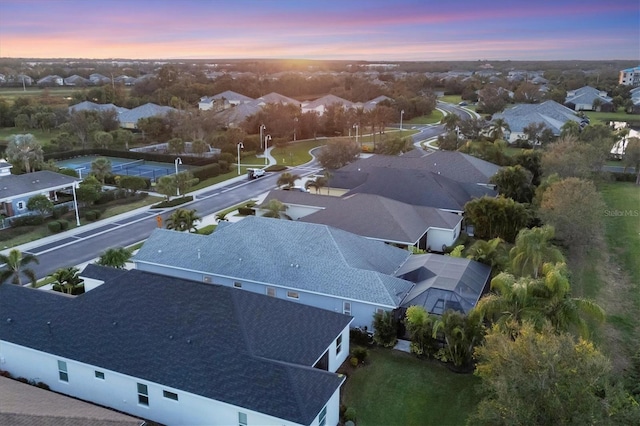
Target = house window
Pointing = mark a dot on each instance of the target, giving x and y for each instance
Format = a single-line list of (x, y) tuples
[(322, 418), (339, 345), (293, 295), (62, 371), (206, 279), (237, 284), (271, 291), (170, 395), (242, 419), (20, 205), (143, 395), (346, 308), (99, 375)]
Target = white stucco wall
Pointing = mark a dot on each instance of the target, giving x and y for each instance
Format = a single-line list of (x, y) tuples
[(120, 392), (437, 237)]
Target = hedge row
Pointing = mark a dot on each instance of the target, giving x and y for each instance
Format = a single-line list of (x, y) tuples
[(58, 226), (173, 203)]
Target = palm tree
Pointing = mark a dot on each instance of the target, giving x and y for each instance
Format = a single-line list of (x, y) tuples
[(492, 253), (275, 209), (101, 168), (451, 122), (497, 128), (115, 257), (317, 183), (287, 179), (25, 150), (221, 217), (461, 334), (183, 220), (14, 267), (532, 249), (67, 279)]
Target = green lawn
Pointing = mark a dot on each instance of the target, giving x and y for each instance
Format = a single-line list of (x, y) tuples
[(296, 153), (432, 118), (396, 388), (605, 117), (44, 137)]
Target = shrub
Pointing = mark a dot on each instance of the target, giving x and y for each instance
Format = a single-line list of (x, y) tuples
[(31, 220), (360, 337), (23, 380), (59, 211), (227, 157), (385, 329), (54, 227), (360, 353), (4, 373), (354, 361), (106, 196), (173, 203), (224, 166), (206, 172), (246, 211), (64, 224), (92, 215), (350, 414), (43, 385)]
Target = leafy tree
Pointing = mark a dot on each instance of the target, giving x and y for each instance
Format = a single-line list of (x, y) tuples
[(492, 253), (15, 267), (385, 329), (40, 203), (89, 190), (24, 150), (115, 257), (67, 280), (103, 139), (166, 186), (393, 145), (338, 153), (538, 134), (419, 324), (531, 160), (575, 208), (450, 141), (514, 182), (101, 168), (497, 217), (570, 157), (451, 122), (532, 249), (176, 145), (570, 128), (275, 209), (22, 122), (287, 179), (541, 379), (461, 334), (122, 138), (472, 128), (132, 183), (199, 147), (64, 141), (632, 157), (184, 181), (82, 124), (183, 220)]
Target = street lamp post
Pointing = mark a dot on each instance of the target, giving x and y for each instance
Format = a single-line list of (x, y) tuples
[(262, 127), (295, 123), (356, 126), (176, 162), (266, 146), (75, 203), (401, 114), (240, 146)]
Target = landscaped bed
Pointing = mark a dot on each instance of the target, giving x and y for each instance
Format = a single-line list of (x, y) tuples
[(396, 388)]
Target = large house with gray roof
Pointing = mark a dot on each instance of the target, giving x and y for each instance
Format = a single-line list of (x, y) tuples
[(375, 217), (588, 98), (307, 263), (179, 352), (129, 119), (550, 113)]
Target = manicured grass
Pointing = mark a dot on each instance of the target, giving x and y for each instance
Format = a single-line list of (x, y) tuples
[(44, 137), (396, 388), (221, 178), (432, 118), (451, 99), (57, 95), (605, 117), (622, 228), (296, 153)]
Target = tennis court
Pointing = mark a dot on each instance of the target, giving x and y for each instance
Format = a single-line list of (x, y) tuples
[(124, 166)]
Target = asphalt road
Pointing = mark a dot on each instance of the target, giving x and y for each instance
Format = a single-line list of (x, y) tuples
[(85, 246)]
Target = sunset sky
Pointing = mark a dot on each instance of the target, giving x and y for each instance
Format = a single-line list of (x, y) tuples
[(372, 30)]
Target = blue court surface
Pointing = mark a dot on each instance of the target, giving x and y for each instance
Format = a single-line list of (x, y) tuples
[(124, 166)]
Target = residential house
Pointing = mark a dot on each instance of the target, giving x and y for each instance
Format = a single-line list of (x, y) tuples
[(92, 106), (233, 117), (310, 264), (630, 76), (76, 80), (51, 80), (16, 190), (374, 217), (550, 113), (99, 79), (275, 98), (588, 98), (129, 119), (179, 352), (320, 105), (370, 105), (224, 100)]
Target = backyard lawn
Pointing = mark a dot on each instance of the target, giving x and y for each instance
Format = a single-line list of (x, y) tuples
[(396, 388)]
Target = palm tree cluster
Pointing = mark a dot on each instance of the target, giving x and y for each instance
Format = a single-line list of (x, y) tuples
[(183, 220), (68, 281), (15, 267)]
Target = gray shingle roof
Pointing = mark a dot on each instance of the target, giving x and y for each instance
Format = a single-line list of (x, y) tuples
[(92, 106), (238, 347), (550, 113), (372, 216), (275, 98), (327, 101), (444, 282), (296, 255), (13, 186), (144, 111)]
